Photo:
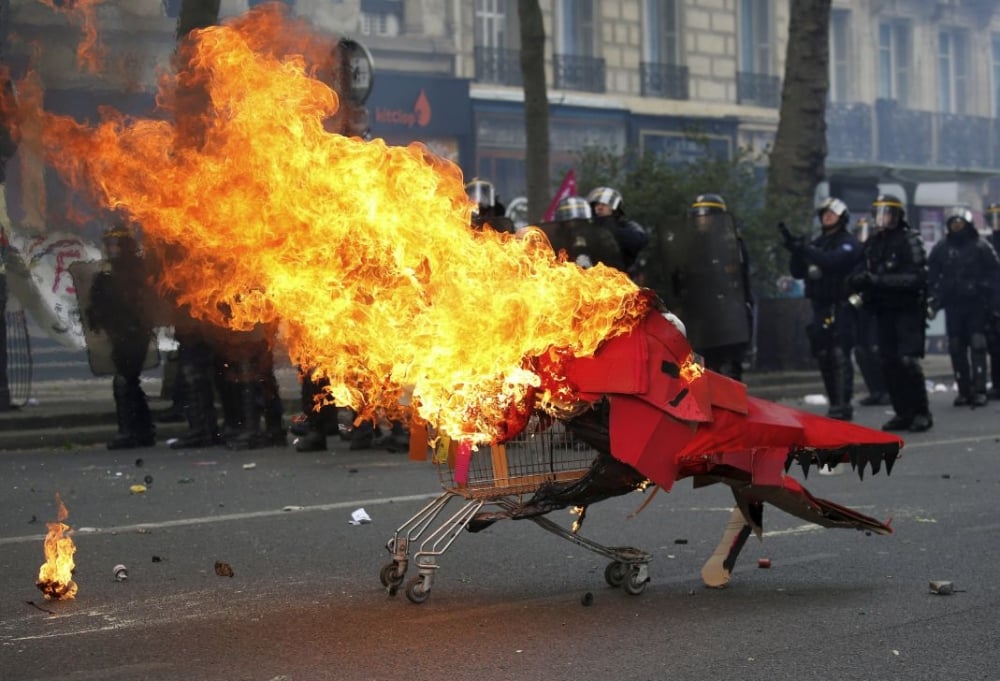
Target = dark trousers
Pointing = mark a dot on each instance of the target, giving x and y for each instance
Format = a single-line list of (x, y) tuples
[(965, 326), (831, 338), (901, 336), (131, 405)]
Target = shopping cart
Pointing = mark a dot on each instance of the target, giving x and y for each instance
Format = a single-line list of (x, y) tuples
[(501, 476)]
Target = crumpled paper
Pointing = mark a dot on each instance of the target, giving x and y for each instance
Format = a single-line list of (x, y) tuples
[(360, 517)]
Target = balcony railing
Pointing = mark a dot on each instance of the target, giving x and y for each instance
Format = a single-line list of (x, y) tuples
[(891, 134), (964, 141), (759, 89), (664, 80), (849, 132), (498, 65), (573, 72), (904, 135)]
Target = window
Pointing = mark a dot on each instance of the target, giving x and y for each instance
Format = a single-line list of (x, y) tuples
[(491, 23), (894, 61), (662, 45), (840, 50), (953, 70), (996, 75), (379, 24), (755, 36), (578, 28), (381, 17)]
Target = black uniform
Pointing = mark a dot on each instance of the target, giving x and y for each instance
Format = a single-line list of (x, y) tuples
[(824, 264), (118, 305), (893, 284), (993, 332), (963, 271), (632, 238)]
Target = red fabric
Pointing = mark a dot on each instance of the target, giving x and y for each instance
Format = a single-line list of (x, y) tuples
[(566, 188)]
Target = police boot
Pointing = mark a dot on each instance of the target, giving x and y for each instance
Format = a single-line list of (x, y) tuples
[(918, 395), (313, 441), (231, 401), (397, 440), (274, 434), (871, 371), (200, 412), (135, 424), (958, 351), (978, 371), (994, 391), (362, 436), (842, 383), (250, 436)]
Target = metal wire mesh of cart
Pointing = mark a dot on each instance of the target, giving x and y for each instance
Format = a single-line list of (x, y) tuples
[(543, 452)]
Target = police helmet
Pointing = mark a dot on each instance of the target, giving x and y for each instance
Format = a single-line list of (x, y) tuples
[(119, 241), (118, 232), (887, 211), (573, 208), (958, 219), (608, 196), (708, 204), (993, 216), (482, 193), (835, 206)]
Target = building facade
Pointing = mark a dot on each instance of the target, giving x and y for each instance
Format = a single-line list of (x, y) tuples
[(914, 103)]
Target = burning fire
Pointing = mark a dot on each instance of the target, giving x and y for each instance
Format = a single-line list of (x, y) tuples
[(361, 251), (55, 576)]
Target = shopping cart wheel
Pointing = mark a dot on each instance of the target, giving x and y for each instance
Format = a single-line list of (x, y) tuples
[(391, 575), (615, 573), (636, 582), (415, 590)]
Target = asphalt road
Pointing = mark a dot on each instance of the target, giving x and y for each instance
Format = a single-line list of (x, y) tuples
[(305, 602)]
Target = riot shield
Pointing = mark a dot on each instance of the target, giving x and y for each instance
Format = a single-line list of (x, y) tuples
[(704, 282), (98, 343), (586, 242)]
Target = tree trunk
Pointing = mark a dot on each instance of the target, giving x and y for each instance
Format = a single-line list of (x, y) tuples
[(192, 99), (798, 159), (536, 108)]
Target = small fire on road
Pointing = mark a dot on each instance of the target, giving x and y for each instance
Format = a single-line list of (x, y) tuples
[(55, 577)]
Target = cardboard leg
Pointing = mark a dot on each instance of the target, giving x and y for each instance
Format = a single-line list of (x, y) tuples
[(717, 570)]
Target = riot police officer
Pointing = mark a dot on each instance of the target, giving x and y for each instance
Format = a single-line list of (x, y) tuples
[(993, 318), (608, 207), (119, 305), (824, 264), (585, 243), (866, 339), (489, 211), (893, 283), (708, 285), (963, 272)]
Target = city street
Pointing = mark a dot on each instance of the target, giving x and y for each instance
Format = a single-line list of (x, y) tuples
[(305, 603)]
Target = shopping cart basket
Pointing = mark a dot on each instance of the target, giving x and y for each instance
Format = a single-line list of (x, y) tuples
[(502, 476)]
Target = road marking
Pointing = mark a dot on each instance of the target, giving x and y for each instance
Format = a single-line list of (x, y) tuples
[(229, 517), (954, 441)]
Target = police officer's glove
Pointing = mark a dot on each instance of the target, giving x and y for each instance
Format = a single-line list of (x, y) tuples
[(789, 240), (861, 281)]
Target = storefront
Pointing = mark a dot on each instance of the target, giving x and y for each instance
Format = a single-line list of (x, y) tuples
[(409, 107), (501, 140), (684, 140)]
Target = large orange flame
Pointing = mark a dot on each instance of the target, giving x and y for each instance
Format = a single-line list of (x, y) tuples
[(362, 251), (55, 576)]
